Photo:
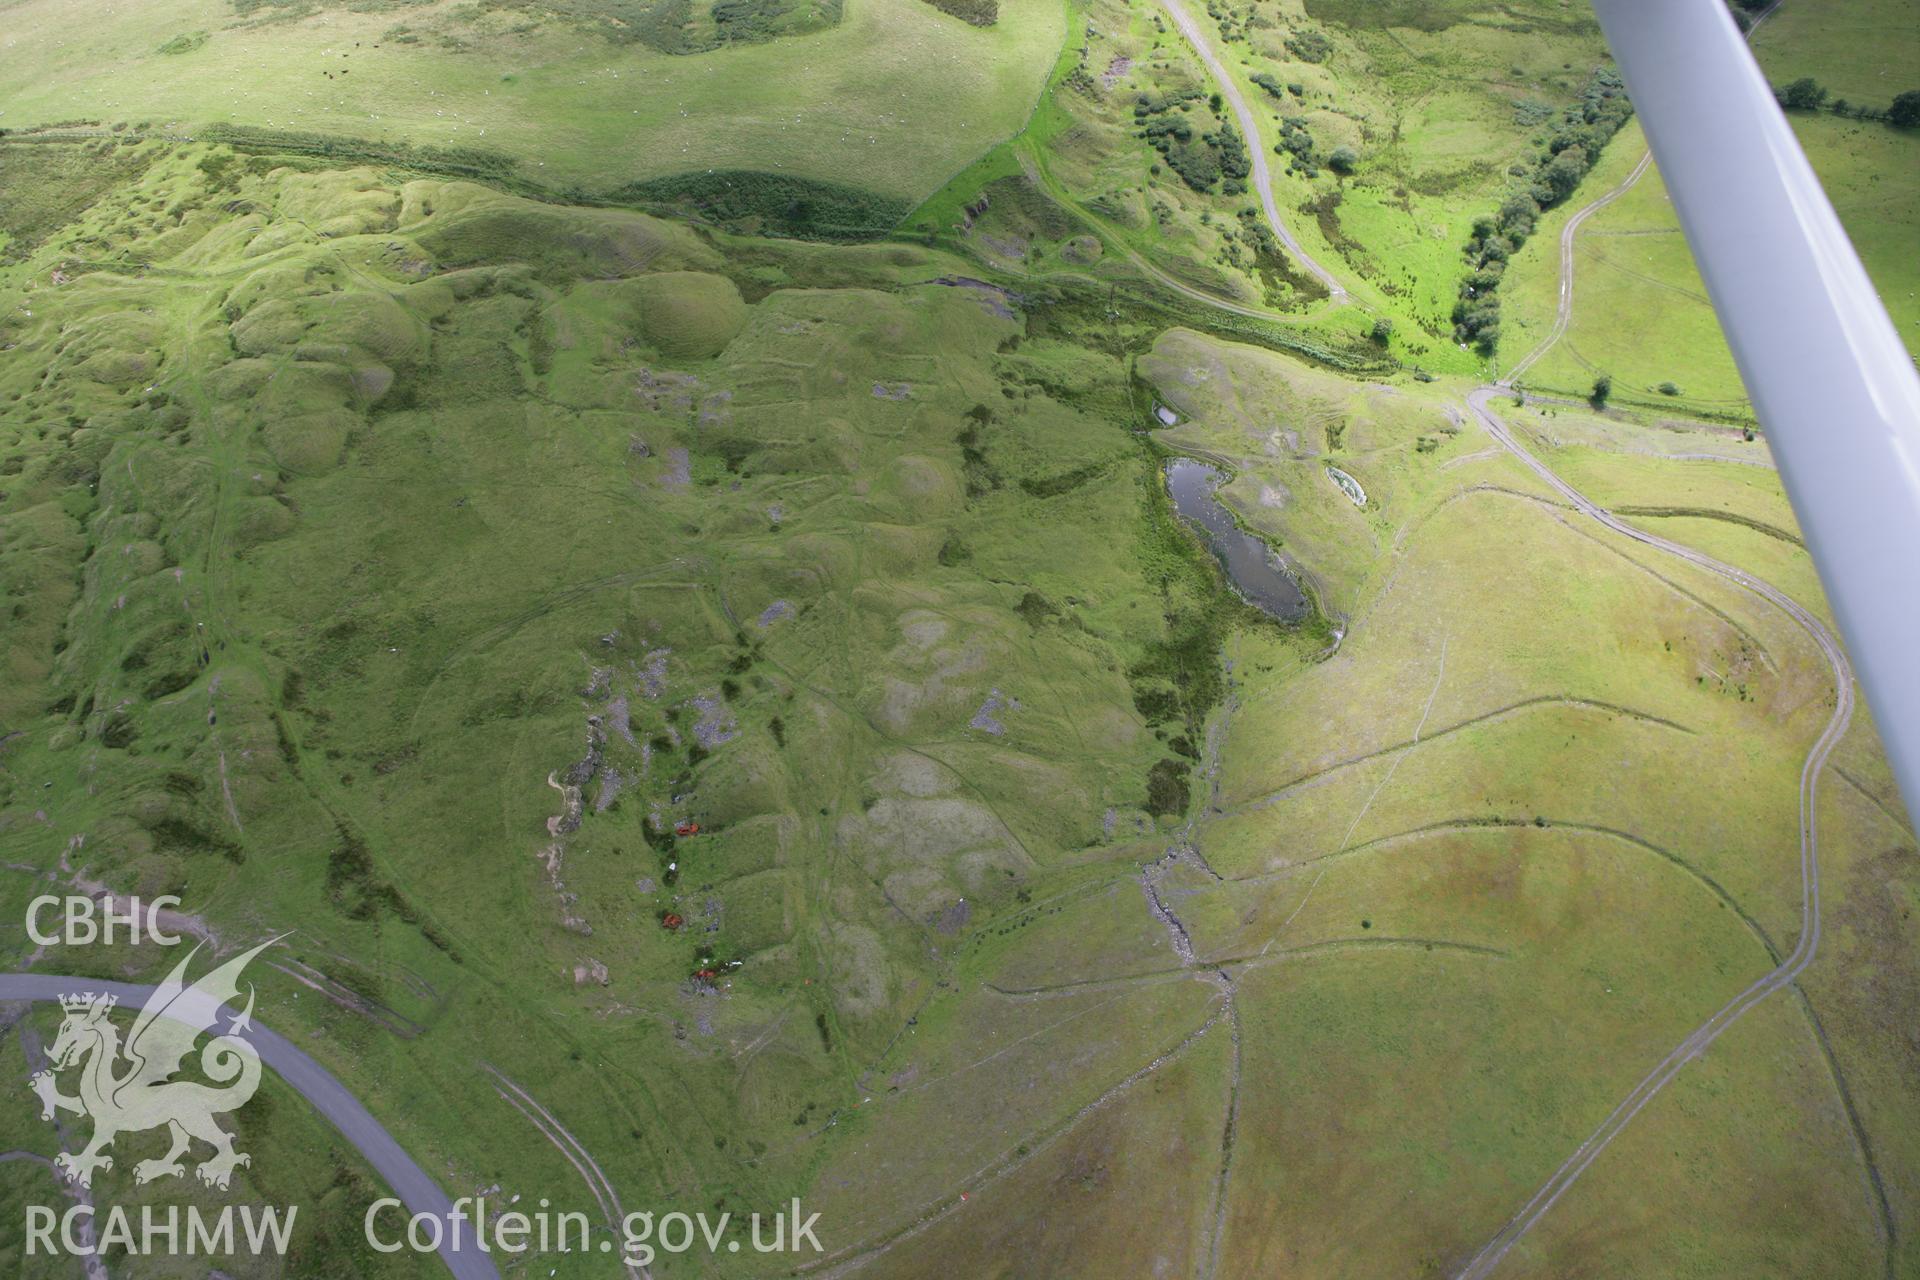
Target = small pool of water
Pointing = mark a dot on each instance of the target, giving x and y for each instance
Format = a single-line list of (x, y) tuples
[(1251, 565)]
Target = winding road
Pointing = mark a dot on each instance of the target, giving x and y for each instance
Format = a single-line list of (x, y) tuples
[(1256, 149), (416, 1189), (422, 1195), (1707, 1032), (1484, 1263), (1480, 400)]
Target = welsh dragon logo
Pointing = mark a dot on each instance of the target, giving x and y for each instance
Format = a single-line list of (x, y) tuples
[(127, 1087)]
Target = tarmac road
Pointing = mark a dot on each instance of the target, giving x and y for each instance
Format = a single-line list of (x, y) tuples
[(1250, 132), (419, 1192)]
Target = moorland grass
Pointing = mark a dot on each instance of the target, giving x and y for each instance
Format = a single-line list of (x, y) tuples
[(1756, 1174), (351, 514), (893, 99), (1536, 818)]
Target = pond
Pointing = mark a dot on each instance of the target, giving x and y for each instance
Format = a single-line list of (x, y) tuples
[(1253, 568)]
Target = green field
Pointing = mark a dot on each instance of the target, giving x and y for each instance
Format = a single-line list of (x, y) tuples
[(895, 97), (1469, 827), (1436, 125), (1440, 104)]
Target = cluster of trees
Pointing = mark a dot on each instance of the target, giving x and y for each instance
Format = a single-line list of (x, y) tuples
[(979, 13), (1566, 154), (1235, 163), (751, 21), (773, 204), (1200, 158), (1275, 89), (667, 25), (186, 42), (1296, 143), (1808, 94), (1150, 105), (458, 162), (1234, 23), (1309, 45)]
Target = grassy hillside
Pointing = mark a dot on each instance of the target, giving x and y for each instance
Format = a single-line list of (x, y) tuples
[(404, 562), (1387, 143), (893, 97), (1547, 772)]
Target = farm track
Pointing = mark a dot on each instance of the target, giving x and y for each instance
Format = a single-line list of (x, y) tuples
[(834, 1266), (1783, 974), (208, 602), (550, 1128), (1696, 1043), (1563, 314), (1787, 969), (1036, 173), (1481, 825), (1268, 799)]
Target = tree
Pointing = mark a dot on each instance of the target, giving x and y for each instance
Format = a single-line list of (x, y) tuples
[(1564, 172), (1905, 110), (1804, 94), (1382, 330), (1517, 214), (1343, 160), (1167, 788), (1602, 388)]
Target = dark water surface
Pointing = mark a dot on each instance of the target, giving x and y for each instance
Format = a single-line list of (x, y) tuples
[(1253, 568)]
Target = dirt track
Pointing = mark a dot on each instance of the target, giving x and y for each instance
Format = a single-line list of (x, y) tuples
[(1563, 315), (1489, 1257)]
